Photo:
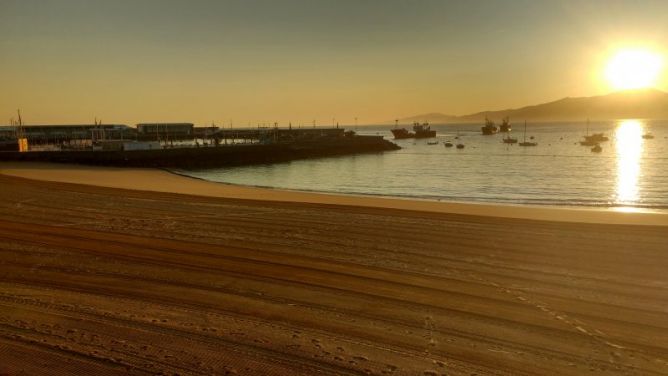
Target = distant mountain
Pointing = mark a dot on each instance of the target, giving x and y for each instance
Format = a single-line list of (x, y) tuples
[(641, 104), (648, 103)]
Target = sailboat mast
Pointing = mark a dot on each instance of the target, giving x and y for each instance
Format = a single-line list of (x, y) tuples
[(525, 131)]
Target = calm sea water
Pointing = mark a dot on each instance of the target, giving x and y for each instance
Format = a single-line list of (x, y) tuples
[(630, 172)]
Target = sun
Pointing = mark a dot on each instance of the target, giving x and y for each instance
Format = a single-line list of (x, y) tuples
[(633, 69)]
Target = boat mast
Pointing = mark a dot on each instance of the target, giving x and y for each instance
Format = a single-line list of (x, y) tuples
[(525, 131)]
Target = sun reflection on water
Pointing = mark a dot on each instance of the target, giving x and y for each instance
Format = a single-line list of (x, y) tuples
[(629, 144)]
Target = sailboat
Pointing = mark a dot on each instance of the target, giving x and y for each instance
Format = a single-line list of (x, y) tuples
[(508, 139), (594, 139), (525, 143), (587, 141)]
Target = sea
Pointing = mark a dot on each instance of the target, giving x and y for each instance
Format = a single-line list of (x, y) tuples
[(630, 173)]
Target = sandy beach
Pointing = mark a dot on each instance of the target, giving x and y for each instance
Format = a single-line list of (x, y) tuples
[(110, 271)]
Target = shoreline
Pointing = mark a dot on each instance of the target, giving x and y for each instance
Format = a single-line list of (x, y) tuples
[(606, 208), (166, 181)]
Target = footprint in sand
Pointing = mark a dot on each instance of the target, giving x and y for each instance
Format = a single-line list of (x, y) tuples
[(389, 369), (439, 363)]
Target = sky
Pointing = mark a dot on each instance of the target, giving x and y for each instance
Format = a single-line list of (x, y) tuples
[(252, 62)]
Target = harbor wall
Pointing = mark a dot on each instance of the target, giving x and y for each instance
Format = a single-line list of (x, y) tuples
[(211, 156)]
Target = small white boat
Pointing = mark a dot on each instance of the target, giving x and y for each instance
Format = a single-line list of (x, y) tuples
[(508, 139)]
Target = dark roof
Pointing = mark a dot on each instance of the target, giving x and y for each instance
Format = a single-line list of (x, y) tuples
[(64, 126), (167, 124)]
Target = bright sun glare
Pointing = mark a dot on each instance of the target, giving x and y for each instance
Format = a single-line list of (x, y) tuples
[(629, 145), (633, 69)]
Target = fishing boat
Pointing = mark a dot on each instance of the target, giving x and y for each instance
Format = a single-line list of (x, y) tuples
[(423, 130), (402, 133), (525, 143), (432, 142), (419, 131), (460, 146), (448, 144), (505, 125), (489, 128), (648, 136)]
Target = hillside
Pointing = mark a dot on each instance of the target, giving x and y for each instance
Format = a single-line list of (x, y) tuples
[(642, 104)]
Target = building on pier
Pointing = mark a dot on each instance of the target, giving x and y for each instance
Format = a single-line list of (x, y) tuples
[(165, 131)]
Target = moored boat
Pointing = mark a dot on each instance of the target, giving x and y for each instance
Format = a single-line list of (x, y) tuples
[(593, 139), (588, 143), (401, 133), (505, 125), (597, 137), (423, 130), (525, 142), (489, 128), (419, 131), (509, 140)]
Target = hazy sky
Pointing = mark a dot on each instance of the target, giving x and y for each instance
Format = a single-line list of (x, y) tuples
[(255, 61)]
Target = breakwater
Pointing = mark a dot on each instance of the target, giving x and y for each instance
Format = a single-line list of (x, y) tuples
[(211, 156)]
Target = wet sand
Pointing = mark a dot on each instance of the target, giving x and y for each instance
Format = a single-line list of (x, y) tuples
[(164, 181), (102, 280)]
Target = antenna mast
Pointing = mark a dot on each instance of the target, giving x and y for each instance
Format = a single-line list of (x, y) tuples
[(19, 129), (20, 136)]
